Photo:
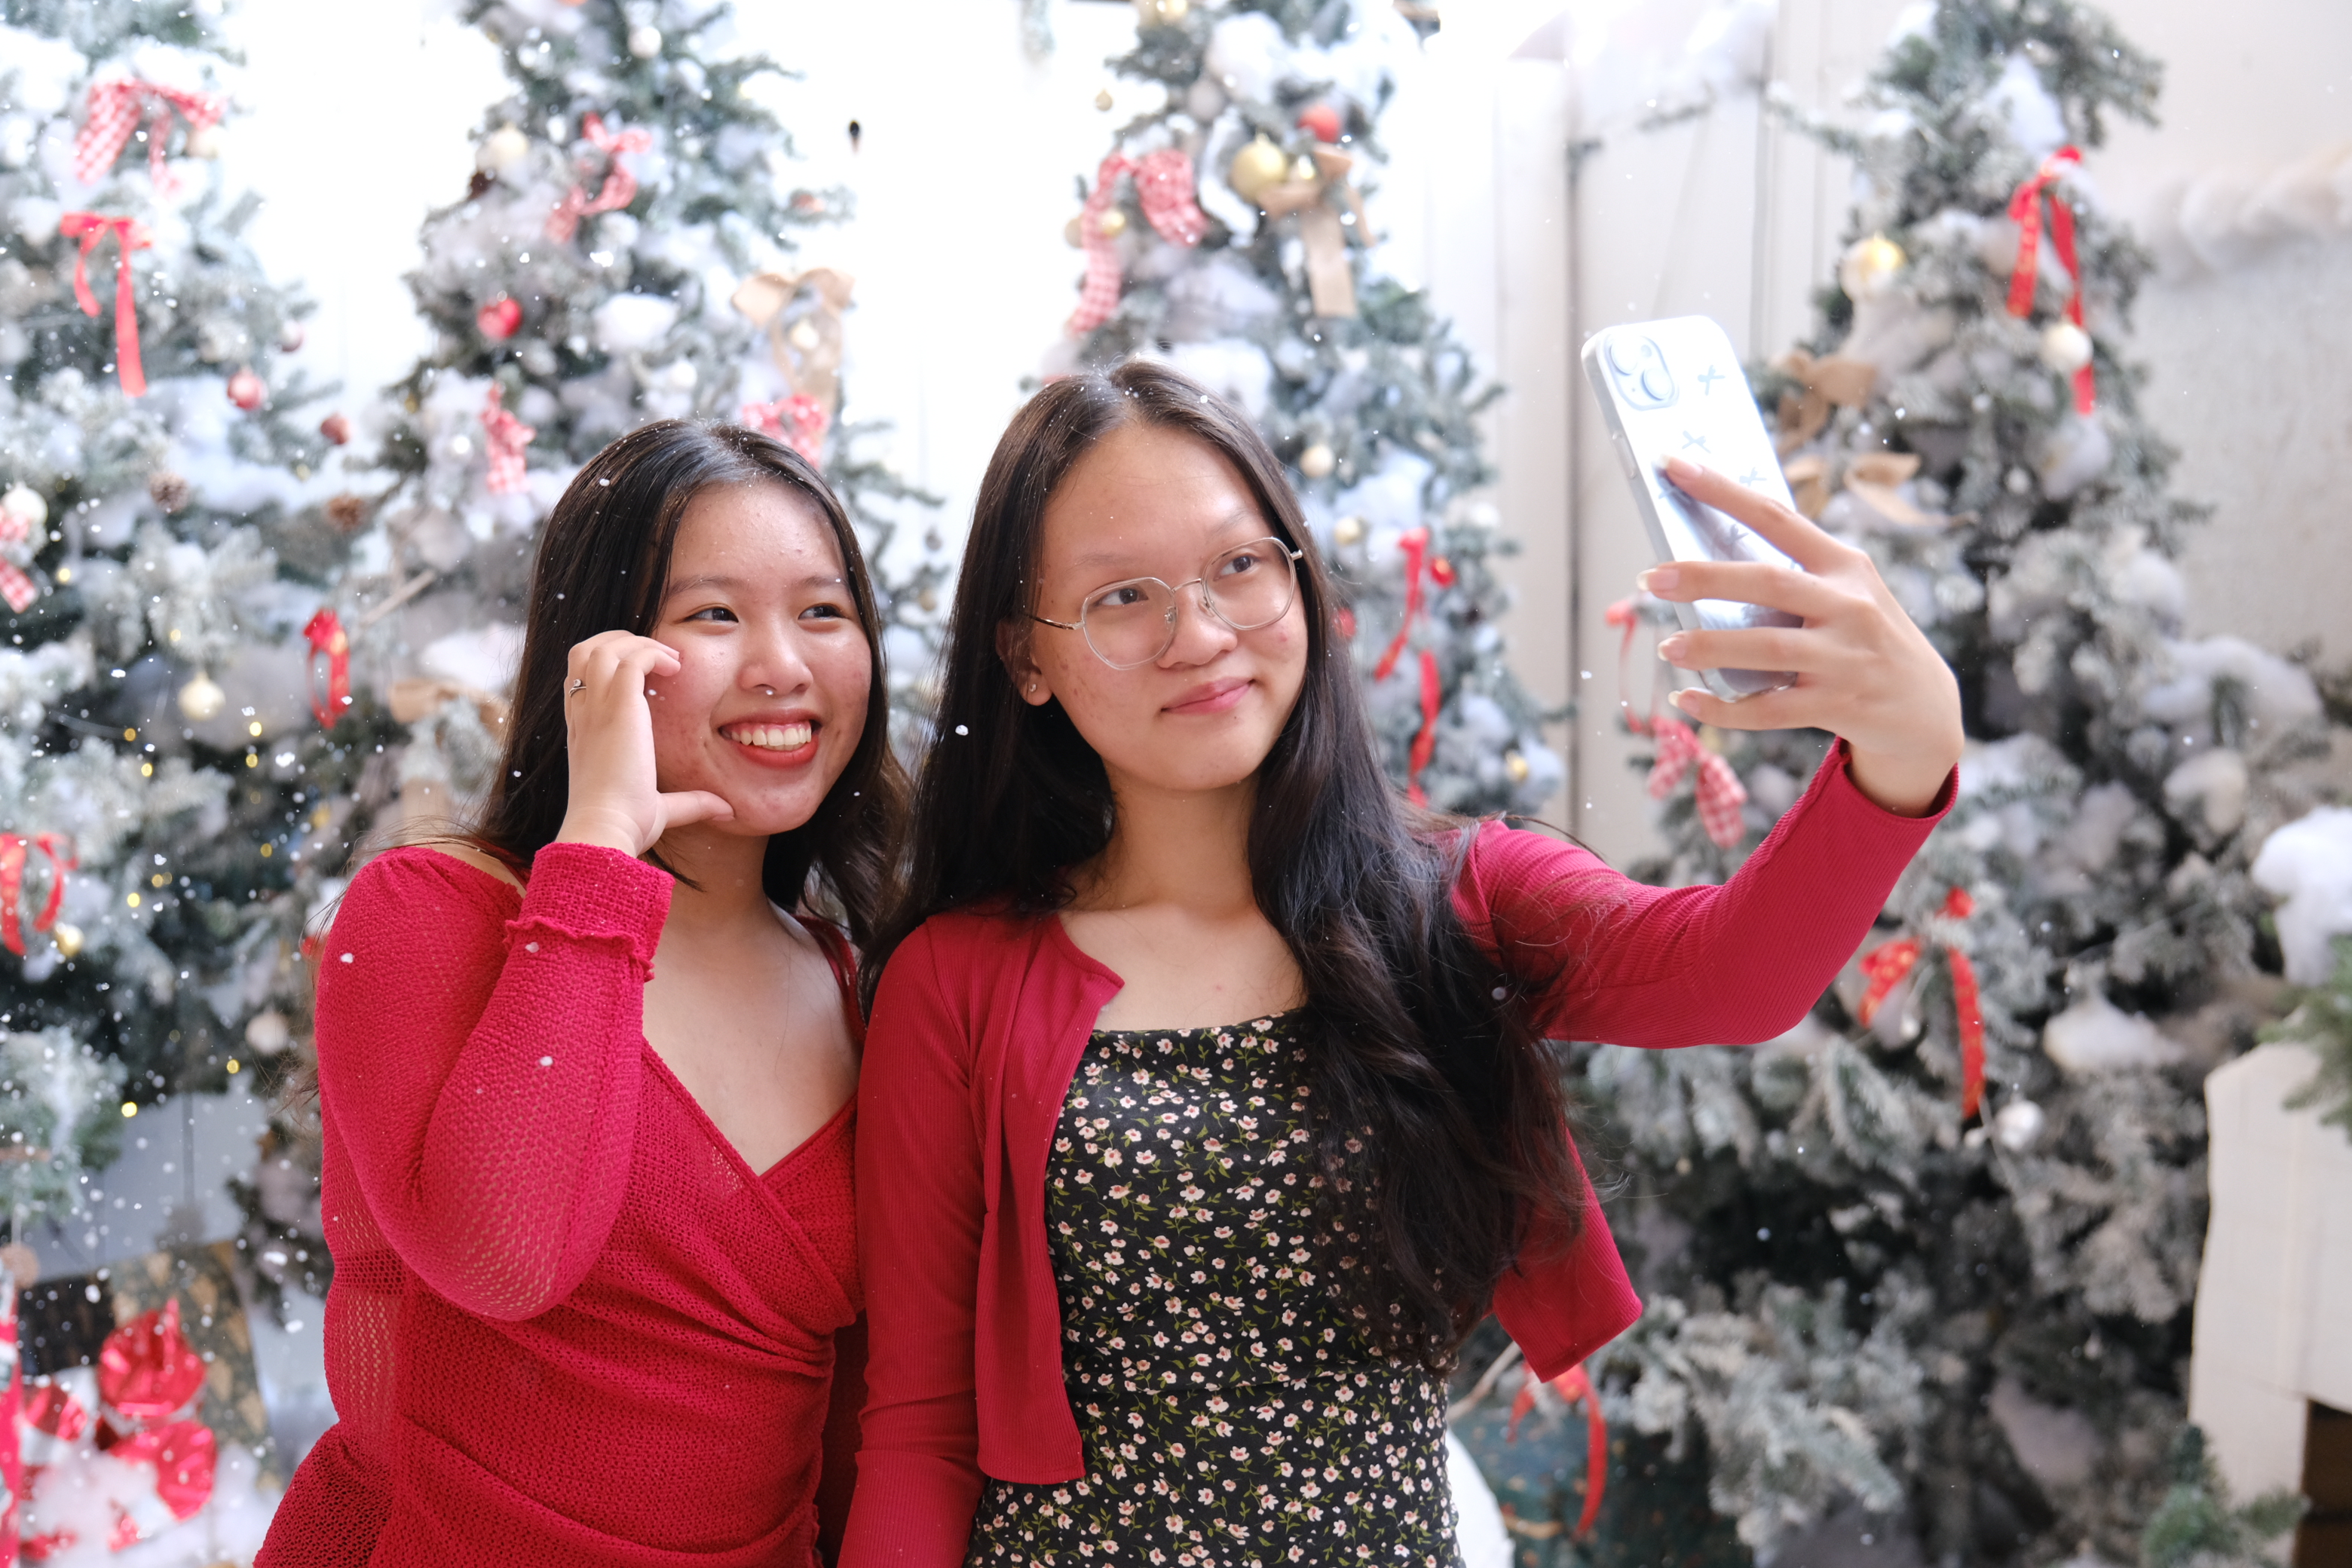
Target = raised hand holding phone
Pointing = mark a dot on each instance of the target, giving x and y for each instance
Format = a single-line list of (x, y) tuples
[(616, 799), (1863, 670)]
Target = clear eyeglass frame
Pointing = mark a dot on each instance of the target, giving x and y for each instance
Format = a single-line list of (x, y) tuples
[(1171, 600)]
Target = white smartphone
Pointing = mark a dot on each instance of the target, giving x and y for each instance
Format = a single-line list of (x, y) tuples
[(1674, 387)]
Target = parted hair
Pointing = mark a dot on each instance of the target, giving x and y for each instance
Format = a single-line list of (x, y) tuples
[(603, 565), (1440, 1123)]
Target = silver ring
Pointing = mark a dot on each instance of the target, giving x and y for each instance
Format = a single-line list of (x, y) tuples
[(577, 685)]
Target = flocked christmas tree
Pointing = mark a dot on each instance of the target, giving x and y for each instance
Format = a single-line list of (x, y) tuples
[(1228, 233), (621, 254), (1932, 1256), (168, 796)]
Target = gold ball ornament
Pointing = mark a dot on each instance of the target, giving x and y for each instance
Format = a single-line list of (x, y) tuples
[(1103, 100), (1868, 268), (2066, 347), (1318, 461), (69, 938), (205, 142), (1112, 224), (1302, 169), (202, 698), (1162, 13), (1256, 169), (21, 1261), (1075, 231), (1348, 530), (1514, 767), (803, 335)]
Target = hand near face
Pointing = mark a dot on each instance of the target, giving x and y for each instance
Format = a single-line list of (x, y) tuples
[(617, 800), (1865, 672)]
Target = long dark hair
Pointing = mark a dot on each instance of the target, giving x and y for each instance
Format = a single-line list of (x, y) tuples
[(1441, 1125), (603, 565)]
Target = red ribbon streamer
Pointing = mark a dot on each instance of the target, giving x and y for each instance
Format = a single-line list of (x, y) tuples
[(506, 438), (799, 421), (114, 107), (129, 234), (1164, 188), (15, 850), (1884, 965), (1721, 795), (2025, 211), (620, 187), (1415, 546), (325, 635), (1574, 1384), (18, 589)]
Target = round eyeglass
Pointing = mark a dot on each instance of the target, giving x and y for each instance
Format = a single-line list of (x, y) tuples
[(1132, 623)]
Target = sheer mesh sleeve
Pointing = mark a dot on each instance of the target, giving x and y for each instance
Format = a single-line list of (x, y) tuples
[(487, 1108), (1613, 960)]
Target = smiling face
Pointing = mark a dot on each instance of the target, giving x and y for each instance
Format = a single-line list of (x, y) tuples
[(1149, 502), (770, 700)]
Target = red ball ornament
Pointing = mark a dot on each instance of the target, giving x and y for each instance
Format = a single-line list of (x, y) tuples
[(1320, 120), (336, 429), (500, 318), (247, 390)]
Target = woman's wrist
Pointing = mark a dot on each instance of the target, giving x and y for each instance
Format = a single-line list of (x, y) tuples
[(600, 830), (1907, 786)]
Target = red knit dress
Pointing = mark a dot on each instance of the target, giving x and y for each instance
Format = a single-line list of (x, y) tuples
[(569, 1324)]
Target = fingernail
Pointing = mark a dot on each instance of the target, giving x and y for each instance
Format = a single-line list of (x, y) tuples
[(1656, 578), (1679, 468), (1680, 700), (1670, 649)]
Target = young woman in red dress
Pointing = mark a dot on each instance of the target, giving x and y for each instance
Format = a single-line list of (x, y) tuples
[(586, 1075), (1204, 1110)]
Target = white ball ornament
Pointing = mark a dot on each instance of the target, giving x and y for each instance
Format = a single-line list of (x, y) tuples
[(1869, 266), (644, 42), (803, 335), (501, 150), (268, 1033), (680, 376), (205, 142), (202, 698), (2066, 347), (2018, 1125), (1318, 461), (24, 505)]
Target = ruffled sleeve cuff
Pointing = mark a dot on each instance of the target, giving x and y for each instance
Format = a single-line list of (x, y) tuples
[(585, 892)]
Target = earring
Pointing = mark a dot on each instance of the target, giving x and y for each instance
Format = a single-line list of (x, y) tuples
[(1033, 689)]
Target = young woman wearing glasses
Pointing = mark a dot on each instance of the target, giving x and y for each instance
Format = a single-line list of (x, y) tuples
[(1205, 1109)]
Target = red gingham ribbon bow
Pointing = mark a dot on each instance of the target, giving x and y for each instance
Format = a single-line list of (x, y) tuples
[(620, 187), (129, 234), (1889, 962), (2025, 211), (114, 107), (1415, 546), (799, 421), (324, 633), (1573, 1385), (1720, 793), (506, 437), (15, 850), (1164, 185), (15, 587)]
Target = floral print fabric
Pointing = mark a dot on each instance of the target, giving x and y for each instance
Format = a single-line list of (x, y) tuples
[(1230, 1413)]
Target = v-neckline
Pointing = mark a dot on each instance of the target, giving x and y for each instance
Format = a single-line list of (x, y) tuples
[(685, 1095)]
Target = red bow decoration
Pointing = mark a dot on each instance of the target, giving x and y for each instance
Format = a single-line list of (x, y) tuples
[(1574, 1384), (799, 421), (1720, 794), (184, 1457), (1415, 546), (146, 1370), (129, 234), (114, 108), (53, 1422), (325, 633), (1164, 187), (15, 587), (620, 187), (1884, 965), (15, 850), (506, 437), (2025, 211)]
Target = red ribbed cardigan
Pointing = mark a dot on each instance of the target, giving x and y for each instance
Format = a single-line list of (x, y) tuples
[(570, 1327), (981, 1018)]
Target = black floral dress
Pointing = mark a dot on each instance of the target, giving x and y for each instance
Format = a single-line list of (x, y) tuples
[(1230, 1413)]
